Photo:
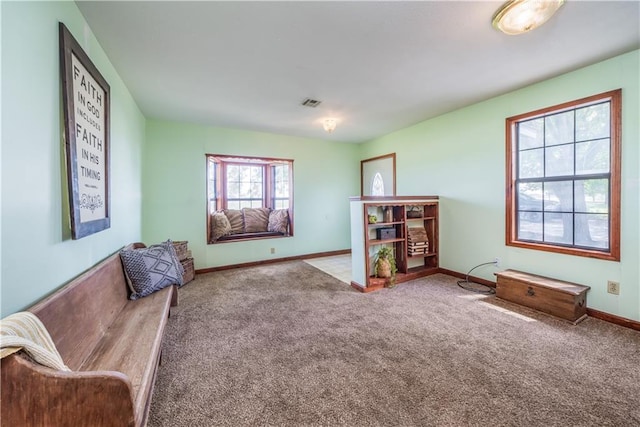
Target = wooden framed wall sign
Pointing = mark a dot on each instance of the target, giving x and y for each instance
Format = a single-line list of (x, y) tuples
[(86, 103)]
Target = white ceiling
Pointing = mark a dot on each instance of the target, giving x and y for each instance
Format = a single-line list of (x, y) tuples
[(376, 66)]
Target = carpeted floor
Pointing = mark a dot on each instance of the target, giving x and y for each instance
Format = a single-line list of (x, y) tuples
[(288, 345)]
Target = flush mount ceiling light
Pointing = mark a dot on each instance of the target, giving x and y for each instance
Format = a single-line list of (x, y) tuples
[(329, 125), (520, 16)]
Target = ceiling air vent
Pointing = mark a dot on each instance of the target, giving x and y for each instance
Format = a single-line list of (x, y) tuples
[(313, 103)]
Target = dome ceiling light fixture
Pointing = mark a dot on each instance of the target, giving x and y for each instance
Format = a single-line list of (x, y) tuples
[(329, 124), (520, 16)]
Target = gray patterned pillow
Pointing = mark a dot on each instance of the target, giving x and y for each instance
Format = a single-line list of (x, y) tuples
[(279, 221), (256, 220), (236, 220), (168, 245), (150, 269), (220, 226)]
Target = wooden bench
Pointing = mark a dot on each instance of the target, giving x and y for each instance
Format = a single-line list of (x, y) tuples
[(111, 344), (565, 300)]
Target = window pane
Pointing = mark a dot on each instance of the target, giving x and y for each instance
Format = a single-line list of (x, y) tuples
[(256, 190), (529, 197), (558, 228), (279, 190), (211, 169), (211, 185), (592, 230), (593, 122), (244, 173), (592, 195), (256, 173), (530, 226), (559, 128), (277, 172), (233, 190), (530, 164), (282, 189), (531, 188), (531, 134), (233, 205), (233, 173), (245, 190), (281, 180), (561, 193), (551, 202), (559, 160), (592, 157)]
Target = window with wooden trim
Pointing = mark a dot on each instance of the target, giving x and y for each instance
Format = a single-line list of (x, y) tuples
[(235, 183), (563, 178)]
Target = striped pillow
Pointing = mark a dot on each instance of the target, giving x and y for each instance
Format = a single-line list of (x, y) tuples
[(220, 226), (236, 220), (279, 221), (256, 220)]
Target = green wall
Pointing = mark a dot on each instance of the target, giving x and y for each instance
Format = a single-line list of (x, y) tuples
[(158, 174), (461, 157), (38, 254), (174, 190)]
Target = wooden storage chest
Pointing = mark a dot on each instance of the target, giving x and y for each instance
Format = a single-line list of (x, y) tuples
[(561, 299)]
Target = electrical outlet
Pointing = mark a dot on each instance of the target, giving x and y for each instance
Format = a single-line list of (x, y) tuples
[(613, 287), (497, 261), (273, 250)]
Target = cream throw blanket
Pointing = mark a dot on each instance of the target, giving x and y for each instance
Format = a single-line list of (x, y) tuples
[(24, 331)]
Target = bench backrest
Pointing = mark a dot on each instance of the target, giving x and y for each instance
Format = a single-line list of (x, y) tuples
[(78, 314)]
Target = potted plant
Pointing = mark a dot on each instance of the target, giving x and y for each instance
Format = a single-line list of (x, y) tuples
[(385, 264)]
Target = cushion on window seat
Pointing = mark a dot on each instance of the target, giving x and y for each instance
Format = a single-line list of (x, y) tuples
[(235, 220), (279, 221), (256, 220), (248, 223), (220, 226)]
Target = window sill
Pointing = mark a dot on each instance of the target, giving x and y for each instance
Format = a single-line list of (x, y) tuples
[(609, 256)]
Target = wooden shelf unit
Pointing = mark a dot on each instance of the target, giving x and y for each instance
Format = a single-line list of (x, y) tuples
[(366, 244)]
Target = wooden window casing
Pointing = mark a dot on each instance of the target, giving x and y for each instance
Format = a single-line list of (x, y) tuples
[(513, 151)]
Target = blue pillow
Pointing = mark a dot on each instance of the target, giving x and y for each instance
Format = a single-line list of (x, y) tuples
[(176, 261), (151, 269)]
